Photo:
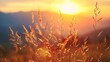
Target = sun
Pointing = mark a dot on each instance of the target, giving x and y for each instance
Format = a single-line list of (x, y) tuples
[(69, 8)]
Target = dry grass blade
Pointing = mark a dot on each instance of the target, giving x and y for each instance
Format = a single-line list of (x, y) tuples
[(96, 17), (99, 33), (33, 20), (40, 20), (65, 41), (39, 30), (18, 38), (26, 31), (12, 32), (86, 38)]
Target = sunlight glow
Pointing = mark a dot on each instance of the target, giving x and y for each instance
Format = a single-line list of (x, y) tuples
[(69, 7)]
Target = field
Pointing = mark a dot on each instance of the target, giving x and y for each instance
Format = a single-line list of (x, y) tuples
[(46, 42)]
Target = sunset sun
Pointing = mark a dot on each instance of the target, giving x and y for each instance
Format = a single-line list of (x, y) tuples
[(69, 8)]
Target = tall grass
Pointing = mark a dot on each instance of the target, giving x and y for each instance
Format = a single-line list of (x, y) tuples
[(41, 44)]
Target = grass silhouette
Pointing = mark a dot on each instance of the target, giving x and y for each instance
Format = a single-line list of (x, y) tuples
[(41, 44)]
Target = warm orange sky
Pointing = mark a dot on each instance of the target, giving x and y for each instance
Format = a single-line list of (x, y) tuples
[(82, 9), (50, 5)]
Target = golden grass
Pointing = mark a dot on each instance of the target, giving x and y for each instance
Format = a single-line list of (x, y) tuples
[(42, 45)]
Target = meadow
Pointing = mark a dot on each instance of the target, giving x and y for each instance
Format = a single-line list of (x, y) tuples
[(43, 42)]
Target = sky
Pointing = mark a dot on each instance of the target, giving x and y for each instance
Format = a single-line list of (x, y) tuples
[(48, 5), (83, 9)]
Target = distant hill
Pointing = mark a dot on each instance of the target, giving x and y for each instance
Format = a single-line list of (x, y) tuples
[(96, 36), (16, 20)]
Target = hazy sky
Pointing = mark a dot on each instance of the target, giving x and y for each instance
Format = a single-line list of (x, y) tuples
[(47, 5), (53, 5)]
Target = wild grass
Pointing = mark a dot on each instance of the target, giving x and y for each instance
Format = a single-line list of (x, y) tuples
[(41, 44)]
